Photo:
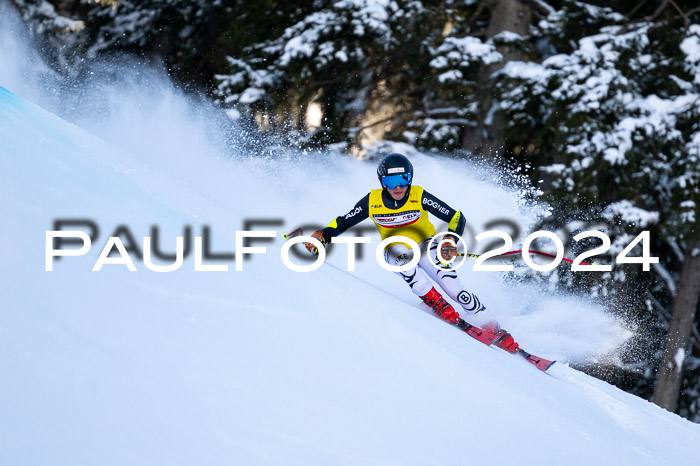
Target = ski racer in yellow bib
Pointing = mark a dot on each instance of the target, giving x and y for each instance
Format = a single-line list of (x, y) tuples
[(401, 209)]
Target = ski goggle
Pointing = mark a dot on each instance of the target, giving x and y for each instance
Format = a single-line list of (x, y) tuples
[(396, 181)]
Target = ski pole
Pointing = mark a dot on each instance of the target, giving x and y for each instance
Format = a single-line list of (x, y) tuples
[(520, 251), (293, 234), (301, 233)]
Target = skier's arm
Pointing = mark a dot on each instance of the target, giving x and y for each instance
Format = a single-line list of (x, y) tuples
[(341, 223), (454, 218)]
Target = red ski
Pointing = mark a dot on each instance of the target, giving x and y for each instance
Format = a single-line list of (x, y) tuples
[(540, 363), (475, 332), (488, 338)]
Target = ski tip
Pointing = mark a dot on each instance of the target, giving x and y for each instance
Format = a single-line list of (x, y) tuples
[(544, 365), (540, 363)]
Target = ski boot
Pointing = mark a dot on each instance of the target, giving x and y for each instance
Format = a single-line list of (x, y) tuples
[(504, 340), (442, 308)]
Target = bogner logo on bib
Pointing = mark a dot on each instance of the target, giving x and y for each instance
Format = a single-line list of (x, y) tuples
[(397, 220)]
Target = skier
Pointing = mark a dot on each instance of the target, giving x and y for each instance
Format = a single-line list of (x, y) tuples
[(401, 209)]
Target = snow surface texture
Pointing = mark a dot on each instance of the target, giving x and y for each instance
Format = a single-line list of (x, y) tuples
[(267, 366)]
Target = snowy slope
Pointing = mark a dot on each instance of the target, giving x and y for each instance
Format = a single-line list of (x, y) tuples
[(270, 366)]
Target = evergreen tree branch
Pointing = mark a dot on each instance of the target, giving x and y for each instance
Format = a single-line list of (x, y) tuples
[(686, 20), (636, 8), (658, 11)]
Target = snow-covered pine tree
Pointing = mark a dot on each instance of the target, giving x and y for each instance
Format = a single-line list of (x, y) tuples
[(185, 35), (613, 125), (406, 69), (55, 33)]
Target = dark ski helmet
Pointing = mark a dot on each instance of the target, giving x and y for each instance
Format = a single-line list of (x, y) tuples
[(395, 164)]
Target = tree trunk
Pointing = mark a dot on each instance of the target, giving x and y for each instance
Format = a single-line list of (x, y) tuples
[(488, 136), (670, 374)]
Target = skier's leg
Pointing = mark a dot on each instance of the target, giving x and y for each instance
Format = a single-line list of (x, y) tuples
[(399, 255), (420, 284), (474, 311)]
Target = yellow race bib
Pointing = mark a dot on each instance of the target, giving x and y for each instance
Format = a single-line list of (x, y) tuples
[(410, 220)]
